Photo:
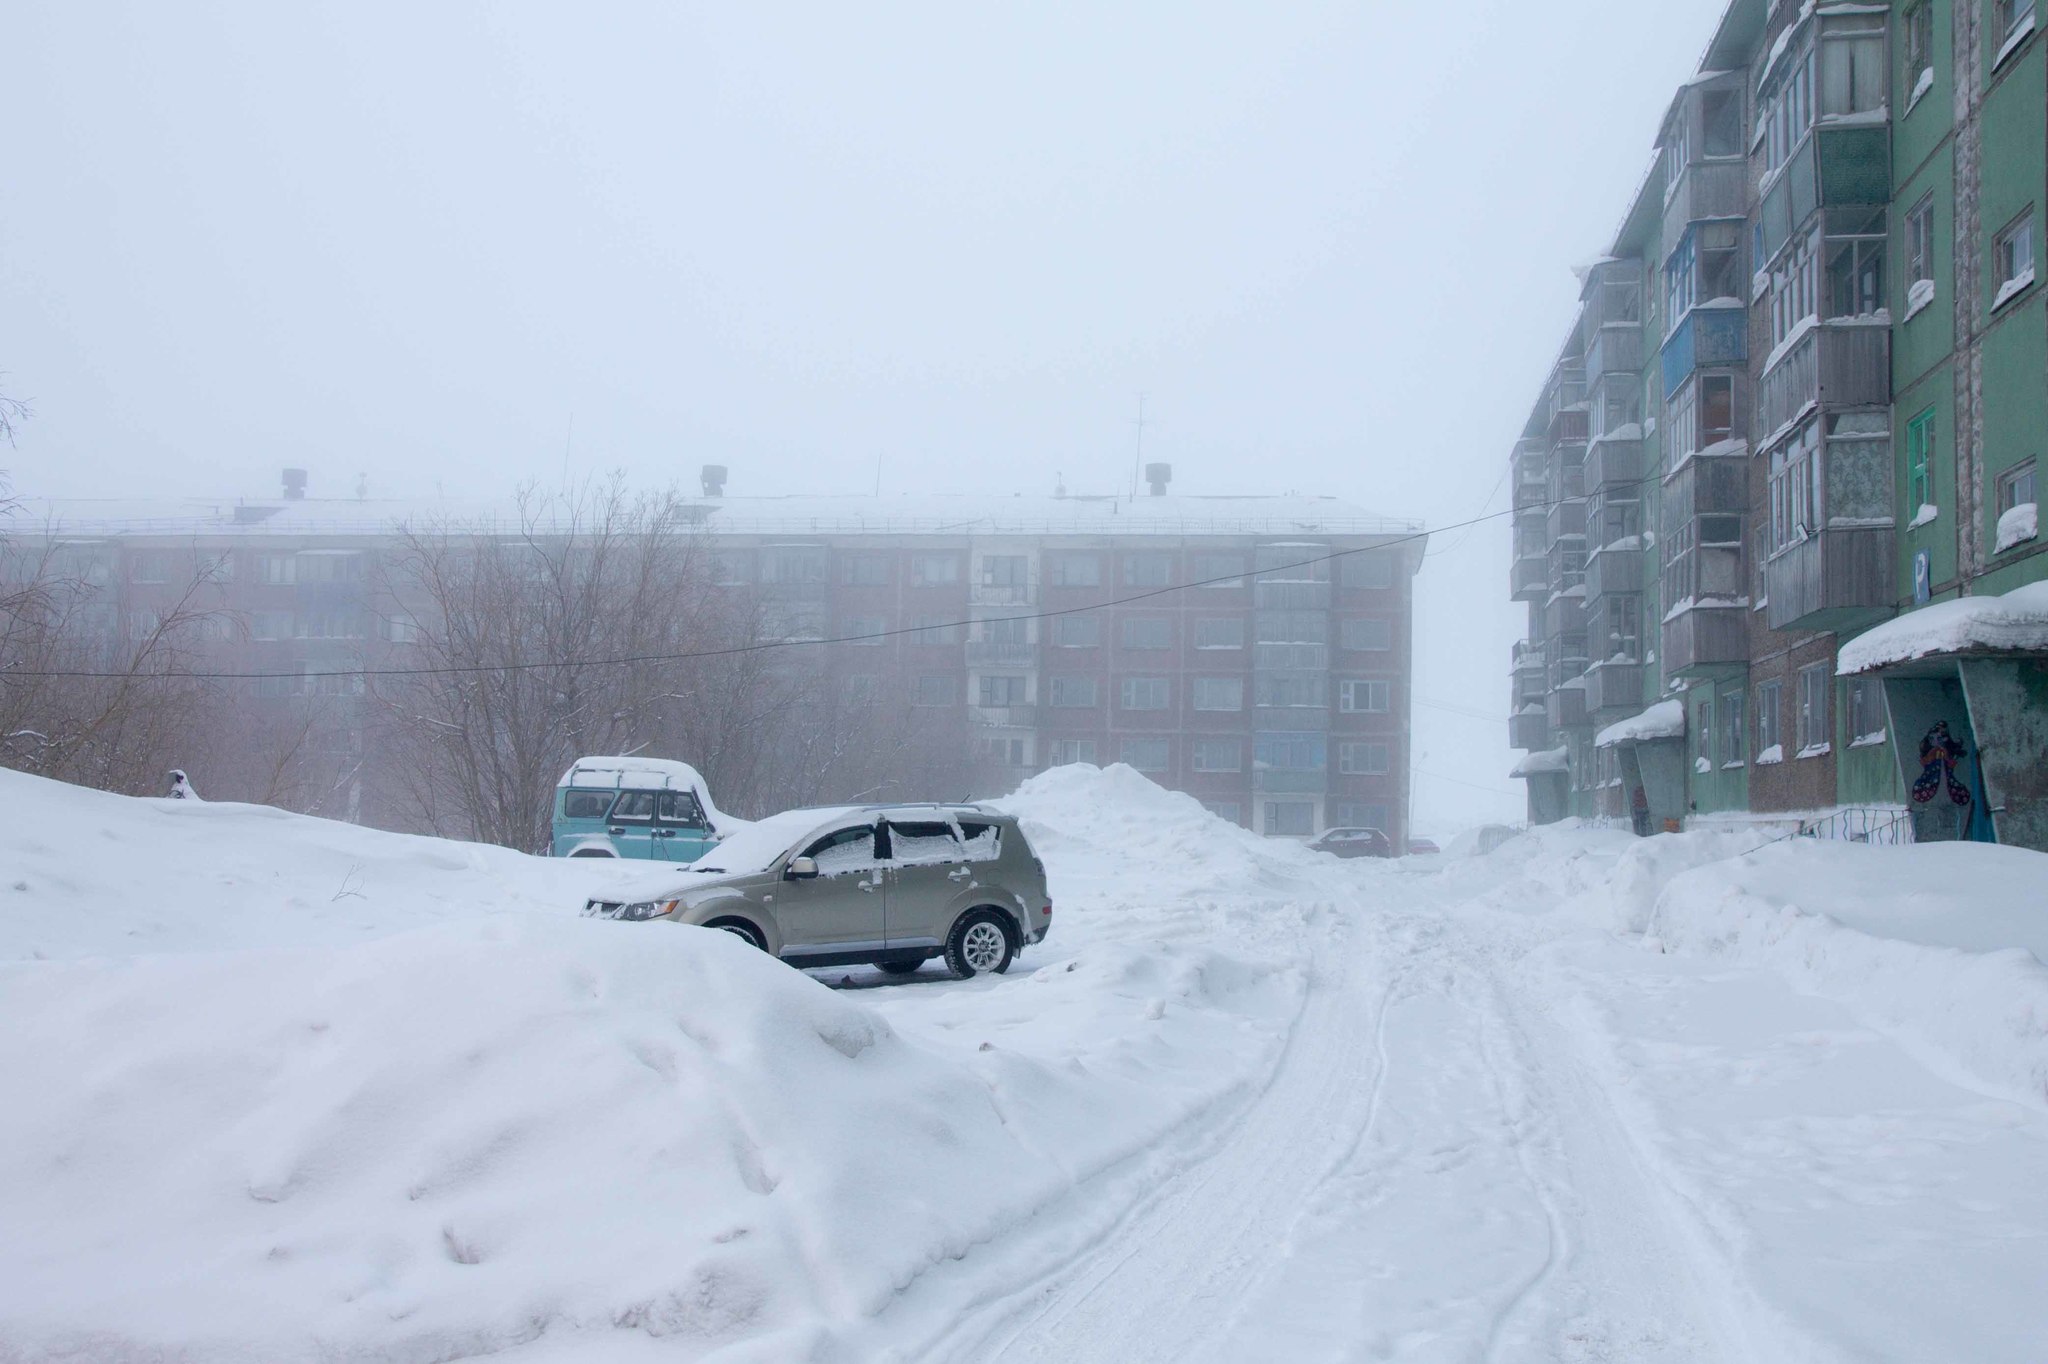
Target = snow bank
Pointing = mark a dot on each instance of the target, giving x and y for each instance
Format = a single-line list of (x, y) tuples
[(1940, 944), (362, 1096), (2016, 620)]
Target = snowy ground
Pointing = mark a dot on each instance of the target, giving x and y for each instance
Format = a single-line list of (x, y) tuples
[(286, 1090)]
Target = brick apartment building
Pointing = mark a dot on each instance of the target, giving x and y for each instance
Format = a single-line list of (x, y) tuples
[(1251, 651)]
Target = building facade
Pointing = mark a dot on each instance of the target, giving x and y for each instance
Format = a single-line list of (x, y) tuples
[(1803, 399), (1253, 652)]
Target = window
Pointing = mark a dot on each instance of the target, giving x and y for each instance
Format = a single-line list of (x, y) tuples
[(1721, 122), (1371, 568), (1812, 729), (1794, 297), (865, 570), (1004, 570), (1218, 755), (1148, 570), (1001, 690), (1866, 711), (938, 689), (1769, 743), (2018, 514), (1294, 693), (1012, 632), (1290, 817), (1076, 632), (1008, 752), (1073, 570), (860, 689), (1702, 415), (277, 570), (2012, 15), (844, 850), (1147, 632), (1920, 252), (937, 630), (1731, 729), (1219, 632), (585, 804), (1144, 693), (2012, 258), (400, 629), (863, 630), (330, 566), (1293, 627), (1796, 487), (1072, 751), (1371, 633), (1218, 570), (1918, 33), (270, 625), (1219, 693), (2016, 487), (1852, 64), (790, 564), (932, 570), (1362, 695), (1362, 759), (1147, 755), (731, 567), (1291, 751), (149, 566), (1359, 814), (1788, 110), (1071, 693), (1703, 735), (1920, 463), (1620, 627), (330, 625), (1855, 275)]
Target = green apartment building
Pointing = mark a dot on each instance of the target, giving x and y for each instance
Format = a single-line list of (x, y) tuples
[(1803, 404)]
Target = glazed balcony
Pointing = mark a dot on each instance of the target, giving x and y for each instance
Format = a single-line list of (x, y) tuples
[(1614, 348), (1709, 335), (1529, 578), (1612, 571), (1530, 729), (1565, 708), (1615, 461), (1838, 578), (1836, 364), (1705, 640), (1614, 687), (1023, 653)]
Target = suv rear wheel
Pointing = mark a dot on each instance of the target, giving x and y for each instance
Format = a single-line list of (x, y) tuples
[(979, 943)]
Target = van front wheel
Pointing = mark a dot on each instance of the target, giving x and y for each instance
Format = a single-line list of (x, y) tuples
[(980, 943)]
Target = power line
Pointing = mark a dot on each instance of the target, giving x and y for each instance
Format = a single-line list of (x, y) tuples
[(760, 646)]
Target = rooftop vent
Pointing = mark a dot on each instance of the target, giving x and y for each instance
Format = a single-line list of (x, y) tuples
[(294, 484), (714, 480), (1159, 475)]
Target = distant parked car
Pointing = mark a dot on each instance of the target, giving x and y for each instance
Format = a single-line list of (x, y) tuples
[(892, 886), (1423, 845), (1354, 843), (649, 808)]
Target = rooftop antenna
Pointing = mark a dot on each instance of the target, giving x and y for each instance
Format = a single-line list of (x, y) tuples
[(878, 474), (1138, 453)]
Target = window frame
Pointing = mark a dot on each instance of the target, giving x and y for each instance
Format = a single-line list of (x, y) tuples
[(1160, 686), (1920, 451)]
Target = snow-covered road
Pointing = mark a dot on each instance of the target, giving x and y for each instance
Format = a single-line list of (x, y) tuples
[(1586, 1098)]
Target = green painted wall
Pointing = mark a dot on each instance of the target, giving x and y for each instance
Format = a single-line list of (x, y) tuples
[(1928, 337), (1868, 775), (1917, 133), (1937, 537), (1720, 787)]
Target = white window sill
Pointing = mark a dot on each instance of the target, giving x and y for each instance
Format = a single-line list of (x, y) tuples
[(2013, 288), (1763, 761), (1735, 766), (1867, 740), (1816, 750)]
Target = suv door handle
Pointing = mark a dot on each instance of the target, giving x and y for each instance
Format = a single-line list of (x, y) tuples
[(962, 874), (868, 886)]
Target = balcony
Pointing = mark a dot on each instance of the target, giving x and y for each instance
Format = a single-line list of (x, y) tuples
[(1707, 336), (1527, 470), (1566, 707), (1834, 364), (1615, 461), (1526, 656), (1839, 164), (1529, 579), (1836, 579), (1616, 347), (1707, 485), (1001, 594), (1612, 687), (1704, 189), (1530, 729), (1564, 613), (1705, 641), (1614, 571), (1006, 717), (1565, 520), (1022, 652)]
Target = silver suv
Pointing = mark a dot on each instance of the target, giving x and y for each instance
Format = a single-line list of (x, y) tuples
[(891, 885)]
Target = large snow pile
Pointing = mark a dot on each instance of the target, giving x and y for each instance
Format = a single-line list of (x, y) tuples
[(303, 1091), (1942, 944)]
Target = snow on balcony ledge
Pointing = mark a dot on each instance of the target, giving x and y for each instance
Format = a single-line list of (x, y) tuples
[(1546, 760), (1665, 720), (2016, 621)]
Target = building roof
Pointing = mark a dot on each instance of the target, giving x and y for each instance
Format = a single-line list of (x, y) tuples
[(906, 514)]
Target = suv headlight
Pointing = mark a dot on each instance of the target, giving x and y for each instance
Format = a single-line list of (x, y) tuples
[(649, 909)]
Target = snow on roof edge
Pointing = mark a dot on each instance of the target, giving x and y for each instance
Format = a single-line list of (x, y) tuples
[(2012, 622), (1664, 720)]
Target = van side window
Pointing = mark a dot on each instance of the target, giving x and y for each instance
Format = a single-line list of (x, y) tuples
[(680, 807), (982, 840), (634, 805), (586, 804), (923, 842), (844, 850)]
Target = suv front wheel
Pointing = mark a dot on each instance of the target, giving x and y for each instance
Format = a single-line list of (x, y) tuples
[(980, 943)]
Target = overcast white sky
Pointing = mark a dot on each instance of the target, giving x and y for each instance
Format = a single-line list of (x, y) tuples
[(1330, 243)]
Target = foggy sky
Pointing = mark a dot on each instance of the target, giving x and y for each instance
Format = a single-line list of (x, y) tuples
[(458, 246)]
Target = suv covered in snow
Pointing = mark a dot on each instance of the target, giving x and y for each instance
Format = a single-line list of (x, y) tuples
[(891, 885)]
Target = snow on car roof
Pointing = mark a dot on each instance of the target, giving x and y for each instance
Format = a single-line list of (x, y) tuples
[(620, 773)]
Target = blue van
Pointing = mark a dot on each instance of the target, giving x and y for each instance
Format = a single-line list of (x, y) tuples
[(648, 808)]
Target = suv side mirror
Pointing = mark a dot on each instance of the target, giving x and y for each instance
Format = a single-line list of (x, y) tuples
[(801, 868)]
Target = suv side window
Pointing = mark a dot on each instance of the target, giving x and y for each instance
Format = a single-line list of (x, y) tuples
[(635, 805), (914, 843), (680, 807), (844, 850), (983, 840), (586, 804)]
